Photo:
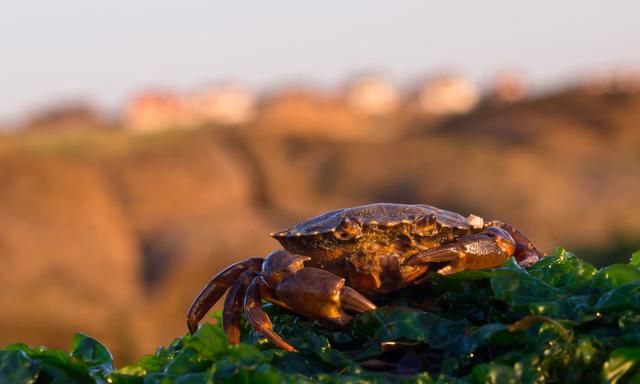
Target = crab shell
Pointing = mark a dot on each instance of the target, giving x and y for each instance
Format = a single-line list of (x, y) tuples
[(336, 262), (330, 237)]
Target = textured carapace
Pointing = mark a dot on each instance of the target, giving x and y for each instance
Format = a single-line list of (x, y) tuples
[(360, 242)]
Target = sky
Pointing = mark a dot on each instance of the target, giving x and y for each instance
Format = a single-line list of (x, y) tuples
[(57, 51)]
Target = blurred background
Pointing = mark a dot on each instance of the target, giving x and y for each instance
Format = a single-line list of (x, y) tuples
[(144, 146)]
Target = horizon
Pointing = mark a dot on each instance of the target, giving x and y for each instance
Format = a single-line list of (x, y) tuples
[(184, 46)]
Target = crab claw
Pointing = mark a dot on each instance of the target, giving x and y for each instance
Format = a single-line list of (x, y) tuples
[(321, 295), (353, 301), (487, 249)]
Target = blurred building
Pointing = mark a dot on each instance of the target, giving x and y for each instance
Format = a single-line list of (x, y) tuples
[(305, 112), (446, 95), (508, 87), (372, 95), (158, 110), (223, 105)]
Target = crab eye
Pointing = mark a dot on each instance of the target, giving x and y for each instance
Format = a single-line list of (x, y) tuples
[(424, 225), (348, 229)]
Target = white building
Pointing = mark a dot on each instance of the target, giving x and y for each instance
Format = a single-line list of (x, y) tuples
[(153, 111), (223, 104), (508, 87), (158, 110), (447, 95), (371, 95)]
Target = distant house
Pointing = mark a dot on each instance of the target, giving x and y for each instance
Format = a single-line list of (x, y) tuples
[(223, 104), (446, 95), (372, 95), (297, 110), (158, 110), (508, 87)]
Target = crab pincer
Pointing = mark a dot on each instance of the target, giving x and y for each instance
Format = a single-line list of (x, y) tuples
[(283, 281)]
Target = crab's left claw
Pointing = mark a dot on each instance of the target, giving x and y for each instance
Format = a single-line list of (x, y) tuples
[(487, 249), (526, 253)]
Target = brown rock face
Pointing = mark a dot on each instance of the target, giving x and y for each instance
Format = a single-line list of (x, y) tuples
[(69, 257)]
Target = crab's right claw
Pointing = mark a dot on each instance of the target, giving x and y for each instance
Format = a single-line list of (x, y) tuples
[(258, 290), (321, 295)]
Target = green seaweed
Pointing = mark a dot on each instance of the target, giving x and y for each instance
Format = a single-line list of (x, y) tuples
[(561, 320)]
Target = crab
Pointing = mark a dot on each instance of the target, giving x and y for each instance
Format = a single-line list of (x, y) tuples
[(333, 265)]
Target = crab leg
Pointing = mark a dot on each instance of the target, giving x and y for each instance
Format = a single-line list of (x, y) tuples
[(216, 287), (487, 249), (259, 318), (526, 253), (233, 306)]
